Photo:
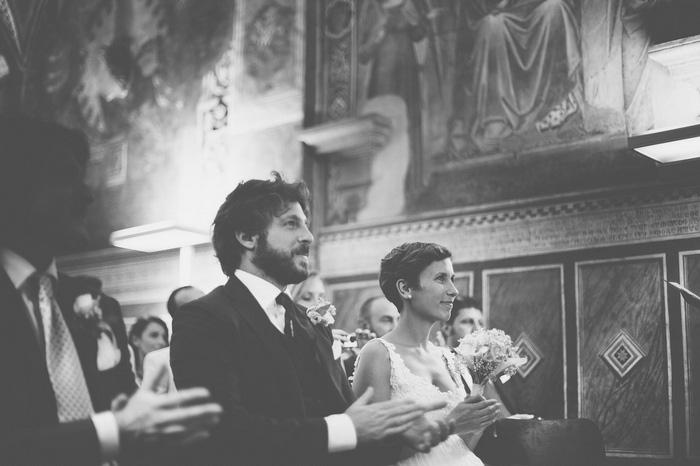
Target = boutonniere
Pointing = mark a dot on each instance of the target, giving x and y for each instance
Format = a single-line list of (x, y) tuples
[(88, 310), (321, 313)]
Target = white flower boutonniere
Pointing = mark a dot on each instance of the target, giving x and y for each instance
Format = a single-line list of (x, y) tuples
[(89, 313), (321, 313), (88, 308)]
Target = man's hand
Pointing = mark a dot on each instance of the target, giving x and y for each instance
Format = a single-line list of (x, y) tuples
[(174, 418), (425, 434), (375, 422), (474, 414)]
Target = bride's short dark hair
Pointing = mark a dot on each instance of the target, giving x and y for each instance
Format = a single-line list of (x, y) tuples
[(406, 262)]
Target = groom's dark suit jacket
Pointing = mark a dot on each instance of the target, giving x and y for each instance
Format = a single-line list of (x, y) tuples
[(30, 433), (225, 342)]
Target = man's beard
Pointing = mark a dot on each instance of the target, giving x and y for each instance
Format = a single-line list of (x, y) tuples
[(279, 265)]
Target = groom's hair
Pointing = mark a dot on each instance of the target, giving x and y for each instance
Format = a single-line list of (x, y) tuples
[(250, 208), (406, 262)]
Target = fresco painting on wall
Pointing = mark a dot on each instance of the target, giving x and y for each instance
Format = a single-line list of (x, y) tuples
[(473, 76), (476, 91), (251, 103), (125, 72)]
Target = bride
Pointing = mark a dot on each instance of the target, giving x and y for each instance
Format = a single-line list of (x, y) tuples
[(418, 279)]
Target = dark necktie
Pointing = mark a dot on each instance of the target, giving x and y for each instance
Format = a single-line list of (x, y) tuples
[(286, 302)]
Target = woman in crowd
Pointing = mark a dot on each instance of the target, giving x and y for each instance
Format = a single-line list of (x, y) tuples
[(308, 292), (146, 335), (418, 279)]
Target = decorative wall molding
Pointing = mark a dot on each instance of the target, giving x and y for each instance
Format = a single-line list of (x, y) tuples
[(523, 229), (681, 57), (689, 266), (143, 278)]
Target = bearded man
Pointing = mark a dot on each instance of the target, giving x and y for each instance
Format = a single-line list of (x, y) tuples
[(285, 399)]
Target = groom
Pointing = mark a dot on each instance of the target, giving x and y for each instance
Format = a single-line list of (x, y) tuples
[(285, 399)]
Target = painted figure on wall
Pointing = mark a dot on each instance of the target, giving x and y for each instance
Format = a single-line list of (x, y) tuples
[(471, 75), (268, 44), (398, 55), (518, 70)]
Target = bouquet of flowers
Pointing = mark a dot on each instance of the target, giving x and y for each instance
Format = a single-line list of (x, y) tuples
[(488, 353), (321, 313)]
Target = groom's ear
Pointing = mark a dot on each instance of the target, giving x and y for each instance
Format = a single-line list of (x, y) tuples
[(248, 241)]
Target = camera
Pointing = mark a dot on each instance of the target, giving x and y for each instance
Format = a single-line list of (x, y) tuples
[(351, 341)]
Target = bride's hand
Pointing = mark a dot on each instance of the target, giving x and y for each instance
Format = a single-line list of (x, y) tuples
[(474, 414)]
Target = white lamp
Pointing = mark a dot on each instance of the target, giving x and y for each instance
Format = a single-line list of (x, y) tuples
[(158, 237), (670, 145)]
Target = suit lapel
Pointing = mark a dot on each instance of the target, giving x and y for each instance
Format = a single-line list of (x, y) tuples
[(18, 340), (269, 338), (333, 374), (14, 315)]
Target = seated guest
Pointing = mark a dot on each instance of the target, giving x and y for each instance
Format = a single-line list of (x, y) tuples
[(466, 318), (378, 316), (58, 404), (146, 335), (156, 364), (308, 292)]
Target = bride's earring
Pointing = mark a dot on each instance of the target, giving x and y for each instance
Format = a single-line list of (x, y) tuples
[(408, 296)]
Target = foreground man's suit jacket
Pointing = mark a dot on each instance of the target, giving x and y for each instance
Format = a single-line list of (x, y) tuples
[(29, 429)]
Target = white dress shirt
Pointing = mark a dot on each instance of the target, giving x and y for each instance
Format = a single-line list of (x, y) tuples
[(341, 431), (20, 270)]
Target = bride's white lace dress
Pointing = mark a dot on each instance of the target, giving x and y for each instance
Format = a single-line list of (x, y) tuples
[(405, 384)]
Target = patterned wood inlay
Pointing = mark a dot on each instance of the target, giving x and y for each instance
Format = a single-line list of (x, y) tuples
[(633, 413), (531, 301), (692, 329)]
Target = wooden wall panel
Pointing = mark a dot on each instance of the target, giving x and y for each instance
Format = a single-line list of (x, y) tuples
[(691, 318), (634, 411), (529, 300)]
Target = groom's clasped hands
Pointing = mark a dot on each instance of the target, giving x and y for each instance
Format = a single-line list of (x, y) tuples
[(403, 419)]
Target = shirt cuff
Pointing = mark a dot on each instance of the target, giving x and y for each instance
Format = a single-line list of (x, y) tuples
[(341, 433), (107, 434)]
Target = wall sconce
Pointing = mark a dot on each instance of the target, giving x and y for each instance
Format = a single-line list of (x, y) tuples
[(670, 145), (158, 237)]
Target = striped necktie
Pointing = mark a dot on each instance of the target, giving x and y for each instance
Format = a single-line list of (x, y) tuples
[(66, 374)]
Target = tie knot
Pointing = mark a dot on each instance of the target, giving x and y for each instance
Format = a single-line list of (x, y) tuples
[(45, 282), (284, 300)]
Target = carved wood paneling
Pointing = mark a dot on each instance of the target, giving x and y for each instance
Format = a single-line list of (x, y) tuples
[(634, 411), (691, 345), (530, 301)]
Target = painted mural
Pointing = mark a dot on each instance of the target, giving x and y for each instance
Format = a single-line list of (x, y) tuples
[(162, 89), (471, 87)]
